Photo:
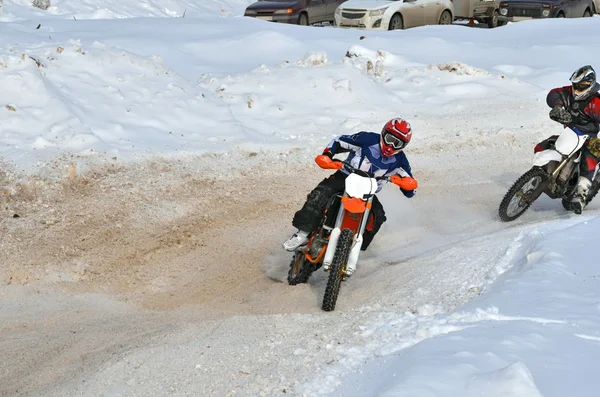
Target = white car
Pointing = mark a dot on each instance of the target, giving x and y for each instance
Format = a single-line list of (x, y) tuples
[(393, 14)]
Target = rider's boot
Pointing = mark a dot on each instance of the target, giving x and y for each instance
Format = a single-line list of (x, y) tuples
[(298, 239), (579, 200)]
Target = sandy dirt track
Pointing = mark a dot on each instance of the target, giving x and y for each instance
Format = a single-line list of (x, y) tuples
[(99, 264)]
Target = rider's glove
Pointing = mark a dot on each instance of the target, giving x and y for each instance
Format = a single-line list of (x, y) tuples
[(328, 153), (561, 115)]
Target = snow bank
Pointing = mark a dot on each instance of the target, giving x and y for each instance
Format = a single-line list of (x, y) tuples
[(112, 98), (535, 333), (96, 100), (109, 9), (263, 84)]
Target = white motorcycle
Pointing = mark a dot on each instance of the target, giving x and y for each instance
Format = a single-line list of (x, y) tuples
[(335, 244), (555, 172)]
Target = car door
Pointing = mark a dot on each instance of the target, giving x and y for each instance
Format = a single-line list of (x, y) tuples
[(572, 8), (316, 10), (331, 7), (432, 11), (413, 13)]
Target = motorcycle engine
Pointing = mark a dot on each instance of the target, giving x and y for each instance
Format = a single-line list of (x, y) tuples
[(565, 174)]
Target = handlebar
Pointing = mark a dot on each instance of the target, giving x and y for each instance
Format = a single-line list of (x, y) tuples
[(404, 183)]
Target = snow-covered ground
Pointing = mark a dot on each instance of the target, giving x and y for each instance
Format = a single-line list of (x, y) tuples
[(151, 164)]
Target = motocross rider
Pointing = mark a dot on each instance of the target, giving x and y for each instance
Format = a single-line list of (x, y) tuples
[(578, 106), (381, 154)]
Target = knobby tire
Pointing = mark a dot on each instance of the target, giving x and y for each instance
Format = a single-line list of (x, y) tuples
[(337, 269), (301, 273), (516, 187)]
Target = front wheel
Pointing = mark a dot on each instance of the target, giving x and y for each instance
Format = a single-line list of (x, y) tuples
[(522, 194), (396, 22), (303, 19), (337, 269)]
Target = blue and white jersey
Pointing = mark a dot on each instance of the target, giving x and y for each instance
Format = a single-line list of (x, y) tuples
[(365, 154)]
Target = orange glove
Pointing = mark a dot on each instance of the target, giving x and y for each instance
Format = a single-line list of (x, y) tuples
[(404, 183), (327, 163)]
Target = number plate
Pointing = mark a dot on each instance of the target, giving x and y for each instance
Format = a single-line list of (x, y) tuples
[(265, 18)]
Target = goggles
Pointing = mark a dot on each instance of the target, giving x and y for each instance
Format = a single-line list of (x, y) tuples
[(393, 141), (582, 86)]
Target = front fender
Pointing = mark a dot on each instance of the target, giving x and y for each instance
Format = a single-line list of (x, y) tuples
[(545, 156)]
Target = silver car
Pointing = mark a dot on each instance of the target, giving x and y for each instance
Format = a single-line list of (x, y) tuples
[(393, 14)]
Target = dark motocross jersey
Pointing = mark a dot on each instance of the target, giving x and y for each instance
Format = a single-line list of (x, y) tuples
[(365, 154), (586, 113)]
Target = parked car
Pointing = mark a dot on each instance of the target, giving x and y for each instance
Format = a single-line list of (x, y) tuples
[(482, 11), (301, 12), (393, 14), (517, 10)]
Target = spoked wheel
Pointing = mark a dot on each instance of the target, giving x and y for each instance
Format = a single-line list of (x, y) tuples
[(522, 194), (337, 269), (300, 269)]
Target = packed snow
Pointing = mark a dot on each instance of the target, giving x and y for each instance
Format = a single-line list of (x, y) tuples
[(153, 154)]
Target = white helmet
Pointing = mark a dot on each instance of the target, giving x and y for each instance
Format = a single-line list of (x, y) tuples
[(584, 83)]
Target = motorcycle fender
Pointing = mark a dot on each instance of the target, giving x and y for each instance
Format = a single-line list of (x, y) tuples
[(546, 156), (568, 142), (359, 186), (333, 238), (353, 257)]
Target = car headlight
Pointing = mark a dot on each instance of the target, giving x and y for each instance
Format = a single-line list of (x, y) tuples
[(545, 13), (284, 11), (377, 13), (504, 11)]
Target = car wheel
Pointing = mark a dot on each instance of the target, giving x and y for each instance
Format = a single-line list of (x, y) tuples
[(560, 15), (303, 19), (587, 13), (446, 18), (396, 22), (493, 20)]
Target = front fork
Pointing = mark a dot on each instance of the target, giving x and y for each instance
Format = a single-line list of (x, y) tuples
[(358, 238)]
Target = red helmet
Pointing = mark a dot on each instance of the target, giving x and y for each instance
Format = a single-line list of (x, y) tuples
[(395, 136)]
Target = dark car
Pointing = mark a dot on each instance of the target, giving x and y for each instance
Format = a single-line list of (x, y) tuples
[(516, 10), (301, 12)]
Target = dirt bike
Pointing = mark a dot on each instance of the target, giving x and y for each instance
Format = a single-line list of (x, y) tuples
[(555, 172), (335, 244)]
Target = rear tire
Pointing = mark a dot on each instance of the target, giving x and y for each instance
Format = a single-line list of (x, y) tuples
[(566, 203), (445, 18), (337, 269), (493, 21), (300, 269), (522, 194), (587, 13)]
